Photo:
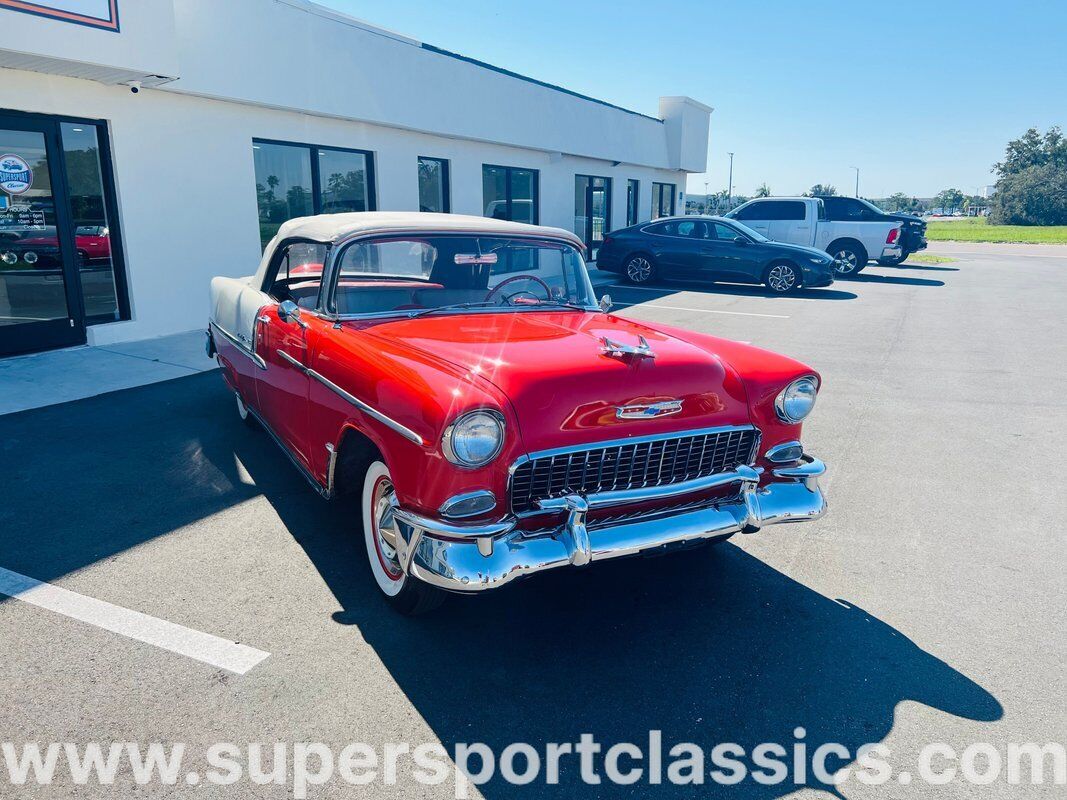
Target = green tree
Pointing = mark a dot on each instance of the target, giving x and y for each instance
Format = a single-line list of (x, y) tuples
[(820, 189), (763, 191), (1032, 181), (949, 200)]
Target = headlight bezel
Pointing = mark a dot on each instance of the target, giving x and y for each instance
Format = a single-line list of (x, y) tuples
[(780, 402), (447, 438)]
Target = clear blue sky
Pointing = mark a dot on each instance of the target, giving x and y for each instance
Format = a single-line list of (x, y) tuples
[(919, 96)]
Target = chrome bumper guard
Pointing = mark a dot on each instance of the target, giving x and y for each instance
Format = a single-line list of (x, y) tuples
[(472, 558)]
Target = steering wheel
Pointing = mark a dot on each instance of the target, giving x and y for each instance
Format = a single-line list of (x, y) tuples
[(512, 279)]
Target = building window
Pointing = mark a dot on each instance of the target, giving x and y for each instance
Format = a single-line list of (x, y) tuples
[(433, 185), (633, 191), (297, 180), (592, 210), (510, 193), (92, 214), (662, 200)]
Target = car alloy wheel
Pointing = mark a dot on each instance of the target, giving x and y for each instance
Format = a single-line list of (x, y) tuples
[(638, 269), (845, 262), (781, 278)]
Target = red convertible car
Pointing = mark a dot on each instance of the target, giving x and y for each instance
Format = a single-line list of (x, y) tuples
[(456, 377)]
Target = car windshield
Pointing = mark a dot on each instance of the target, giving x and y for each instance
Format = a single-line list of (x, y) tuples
[(425, 274), (754, 235)]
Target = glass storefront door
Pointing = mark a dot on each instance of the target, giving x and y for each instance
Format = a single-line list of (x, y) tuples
[(592, 210), (40, 304)]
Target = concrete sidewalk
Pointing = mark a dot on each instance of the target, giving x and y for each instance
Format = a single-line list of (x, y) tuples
[(58, 376)]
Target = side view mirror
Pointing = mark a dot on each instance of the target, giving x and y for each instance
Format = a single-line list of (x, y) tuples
[(605, 303), (289, 311), (741, 240)]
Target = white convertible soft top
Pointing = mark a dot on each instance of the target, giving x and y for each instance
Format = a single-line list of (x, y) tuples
[(332, 228)]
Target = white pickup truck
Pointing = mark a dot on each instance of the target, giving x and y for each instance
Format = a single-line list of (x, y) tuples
[(803, 221)]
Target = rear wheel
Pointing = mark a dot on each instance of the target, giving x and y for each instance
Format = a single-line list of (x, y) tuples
[(849, 258), (782, 278), (893, 261), (243, 412), (404, 593), (640, 269)]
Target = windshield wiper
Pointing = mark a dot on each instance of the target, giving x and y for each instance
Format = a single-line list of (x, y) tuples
[(560, 304), (454, 307)]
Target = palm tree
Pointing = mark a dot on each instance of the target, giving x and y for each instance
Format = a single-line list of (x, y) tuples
[(763, 191)]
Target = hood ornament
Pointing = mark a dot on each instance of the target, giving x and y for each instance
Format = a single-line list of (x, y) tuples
[(641, 349), (648, 410)]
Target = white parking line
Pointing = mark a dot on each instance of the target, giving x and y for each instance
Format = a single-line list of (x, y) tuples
[(701, 310), (204, 647)]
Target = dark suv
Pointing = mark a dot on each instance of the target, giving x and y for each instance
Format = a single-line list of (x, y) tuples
[(852, 209)]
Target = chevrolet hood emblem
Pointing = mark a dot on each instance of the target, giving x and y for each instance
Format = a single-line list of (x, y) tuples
[(648, 410)]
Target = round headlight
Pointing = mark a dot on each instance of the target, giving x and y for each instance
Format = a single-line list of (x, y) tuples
[(474, 439), (796, 400)]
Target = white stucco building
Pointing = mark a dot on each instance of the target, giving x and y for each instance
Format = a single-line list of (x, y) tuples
[(116, 207)]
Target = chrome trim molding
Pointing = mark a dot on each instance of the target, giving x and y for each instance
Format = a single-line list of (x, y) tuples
[(453, 530), (292, 361), (455, 500), (407, 433), (325, 491), (245, 349)]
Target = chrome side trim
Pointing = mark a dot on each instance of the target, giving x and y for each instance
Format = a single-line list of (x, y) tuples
[(742, 474), (325, 491), (296, 363), (240, 345), (407, 433), (562, 451)]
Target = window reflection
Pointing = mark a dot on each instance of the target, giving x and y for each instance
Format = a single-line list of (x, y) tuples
[(433, 184), (283, 185)]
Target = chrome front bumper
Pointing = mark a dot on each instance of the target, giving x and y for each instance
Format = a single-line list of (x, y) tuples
[(466, 558)]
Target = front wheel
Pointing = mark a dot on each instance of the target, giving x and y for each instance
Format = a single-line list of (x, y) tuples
[(640, 269), (782, 278), (405, 594)]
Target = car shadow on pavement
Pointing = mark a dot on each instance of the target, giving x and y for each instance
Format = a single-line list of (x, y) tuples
[(928, 268), (708, 646), (869, 277), (666, 289)]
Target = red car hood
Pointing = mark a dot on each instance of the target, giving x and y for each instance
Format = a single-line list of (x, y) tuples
[(564, 389)]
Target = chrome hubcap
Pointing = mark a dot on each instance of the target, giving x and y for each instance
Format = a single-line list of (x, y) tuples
[(385, 533), (845, 261), (638, 270), (781, 278)]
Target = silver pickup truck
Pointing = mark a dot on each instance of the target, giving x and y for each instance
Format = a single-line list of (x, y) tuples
[(803, 221)]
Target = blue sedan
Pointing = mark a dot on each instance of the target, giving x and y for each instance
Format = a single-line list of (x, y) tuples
[(711, 249)]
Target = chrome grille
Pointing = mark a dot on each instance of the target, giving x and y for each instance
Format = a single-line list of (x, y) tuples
[(630, 465)]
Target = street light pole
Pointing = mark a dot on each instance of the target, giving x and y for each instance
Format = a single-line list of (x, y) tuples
[(730, 185), (857, 180)]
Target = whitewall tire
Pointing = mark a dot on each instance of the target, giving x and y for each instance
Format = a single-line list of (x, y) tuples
[(406, 594)]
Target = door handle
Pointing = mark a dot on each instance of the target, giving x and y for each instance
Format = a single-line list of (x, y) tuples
[(263, 318)]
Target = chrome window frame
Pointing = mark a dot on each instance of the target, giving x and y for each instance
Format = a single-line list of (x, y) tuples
[(331, 270)]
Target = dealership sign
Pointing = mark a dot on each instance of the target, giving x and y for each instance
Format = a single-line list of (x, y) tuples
[(15, 174), (94, 13)]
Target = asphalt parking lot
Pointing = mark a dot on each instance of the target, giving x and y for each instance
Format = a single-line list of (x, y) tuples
[(928, 606)]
